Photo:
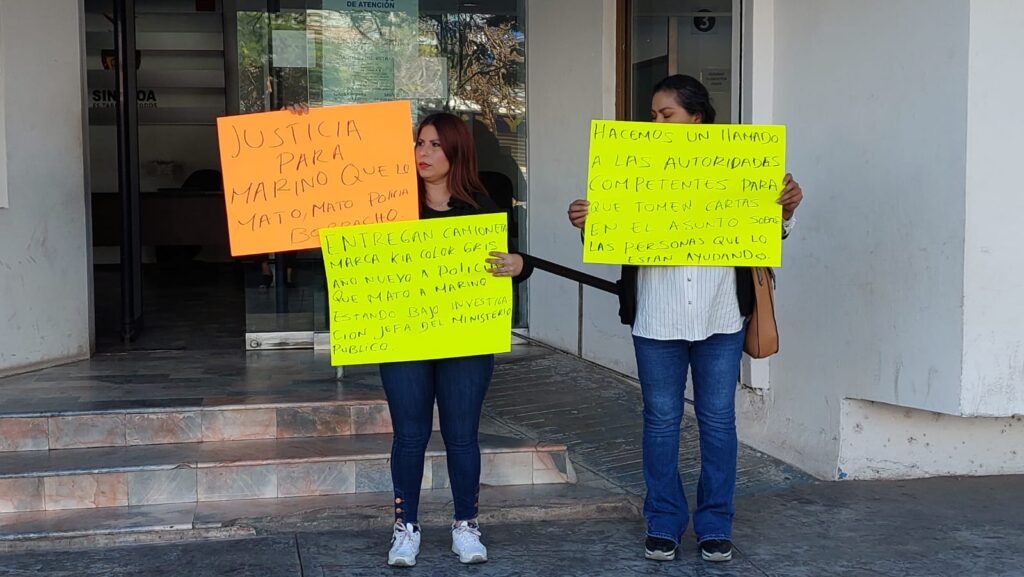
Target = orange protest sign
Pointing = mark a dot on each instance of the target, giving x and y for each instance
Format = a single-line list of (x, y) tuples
[(286, 176)]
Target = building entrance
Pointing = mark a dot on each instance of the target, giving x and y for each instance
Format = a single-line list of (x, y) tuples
[(163, 270)]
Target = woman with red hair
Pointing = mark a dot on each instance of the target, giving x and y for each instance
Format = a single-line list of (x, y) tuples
[(448, 186)]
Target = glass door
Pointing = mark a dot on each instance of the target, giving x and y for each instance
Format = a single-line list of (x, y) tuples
[(699, 38), (463, 57), (160, 242), (268, 68)]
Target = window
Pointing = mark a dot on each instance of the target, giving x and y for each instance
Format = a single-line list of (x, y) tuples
[(699, 38), (443, 55)]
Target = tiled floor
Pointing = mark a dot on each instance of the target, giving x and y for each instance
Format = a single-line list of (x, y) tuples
[(537, 395), (353, 510), (786, 525), (229, 453), (187, 307), (161, 427), (163, 380), (927, 528), (537, 392), (597, 413)]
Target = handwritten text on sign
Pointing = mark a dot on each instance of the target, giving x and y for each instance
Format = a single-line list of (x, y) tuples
[(685, 194), (286, 176), (417, 290)]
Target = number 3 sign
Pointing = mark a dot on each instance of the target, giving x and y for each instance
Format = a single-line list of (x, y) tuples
[(704, 23)]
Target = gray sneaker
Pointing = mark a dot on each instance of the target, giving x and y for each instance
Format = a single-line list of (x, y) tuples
[(405, 545), (658, 549), (466, 542), (716, 550)]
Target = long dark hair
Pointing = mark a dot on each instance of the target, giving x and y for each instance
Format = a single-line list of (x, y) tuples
[(457, 144), (690, 94)]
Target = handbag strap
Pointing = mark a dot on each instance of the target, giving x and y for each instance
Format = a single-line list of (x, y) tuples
[(767, 270)]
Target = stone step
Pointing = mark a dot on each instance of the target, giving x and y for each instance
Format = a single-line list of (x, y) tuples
[(158, 398), (254, 469), (351, 411), (111, 526)]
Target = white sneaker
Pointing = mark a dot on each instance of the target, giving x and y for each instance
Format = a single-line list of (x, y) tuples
[(405, 545), (466, 542)]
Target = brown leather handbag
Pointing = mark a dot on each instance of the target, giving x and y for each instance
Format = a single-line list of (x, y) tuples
[(762, 338)]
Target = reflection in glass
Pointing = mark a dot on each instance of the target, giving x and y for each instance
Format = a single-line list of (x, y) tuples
[(469, 61), (684, 37)]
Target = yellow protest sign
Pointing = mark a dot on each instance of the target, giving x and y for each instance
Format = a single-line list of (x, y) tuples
[(417, 290), (286, 175), (684, 194)]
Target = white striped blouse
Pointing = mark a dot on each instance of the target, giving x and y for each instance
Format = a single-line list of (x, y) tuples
[(689, 303)]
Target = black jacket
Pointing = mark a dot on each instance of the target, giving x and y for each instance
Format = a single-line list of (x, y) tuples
[(627, 293), (487, 206)]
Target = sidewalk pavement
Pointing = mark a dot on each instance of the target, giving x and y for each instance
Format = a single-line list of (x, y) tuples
[(598, 414), (928, 528), (787, 524)]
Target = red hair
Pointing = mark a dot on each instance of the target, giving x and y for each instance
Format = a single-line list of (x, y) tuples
[(457, 145)]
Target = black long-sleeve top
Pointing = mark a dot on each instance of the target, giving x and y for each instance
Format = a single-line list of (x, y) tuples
[(487, 205)]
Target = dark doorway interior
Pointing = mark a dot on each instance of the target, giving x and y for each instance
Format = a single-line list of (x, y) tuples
[(164, 276), (190, 305), (645, 75)]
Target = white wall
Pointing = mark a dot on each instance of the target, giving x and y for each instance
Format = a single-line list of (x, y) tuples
[(572, 83), (882, 441), (870, 294), (993, 358), (44, 272), (899, 295), (4, 203), (605, 339)]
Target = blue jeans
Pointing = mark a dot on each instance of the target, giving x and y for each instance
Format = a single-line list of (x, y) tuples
[(459, 386), (662, 365)]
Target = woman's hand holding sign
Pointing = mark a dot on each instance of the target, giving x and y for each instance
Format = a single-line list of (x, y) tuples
[(578, 212), (791, 196), (299, 108), (504, 264)]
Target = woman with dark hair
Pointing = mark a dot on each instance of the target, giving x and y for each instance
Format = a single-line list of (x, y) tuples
[(688, 317), (448, 186)]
